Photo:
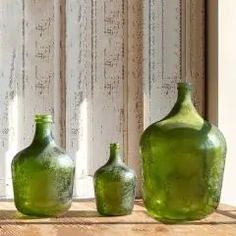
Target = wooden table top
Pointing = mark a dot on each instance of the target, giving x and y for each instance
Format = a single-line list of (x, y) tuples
[(83, 219)]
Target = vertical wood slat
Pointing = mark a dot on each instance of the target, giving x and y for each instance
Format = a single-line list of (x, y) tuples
[(173, 49), (95, 82), (40, 77), (135, 85), (107, 78), (34, 79), (195, 50), (176, 43), (164, 56), (11, 14), (59, 59), (78, 88)]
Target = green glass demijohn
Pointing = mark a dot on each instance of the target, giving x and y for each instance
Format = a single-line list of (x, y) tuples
[(183, 160), (43, 175), (114, 185)]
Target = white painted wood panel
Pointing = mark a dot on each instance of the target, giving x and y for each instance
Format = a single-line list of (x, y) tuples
[(165, 56), (30, 74), (40, 81), (105, 69), (95, 81), (108, 40), (59, 59), (134, 78), (10, 87), (176, 53), (173, 51), (78, 88)]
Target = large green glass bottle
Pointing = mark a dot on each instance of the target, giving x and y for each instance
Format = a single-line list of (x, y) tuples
[(114, 185), (43, 174), (183, 160)]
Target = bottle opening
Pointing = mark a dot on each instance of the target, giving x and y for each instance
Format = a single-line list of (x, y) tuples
[(43, 118), (185, 85), (114, 146)]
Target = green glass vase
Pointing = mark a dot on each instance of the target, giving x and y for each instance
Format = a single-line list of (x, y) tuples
[(114, 185), (43, 175), (183, 160)]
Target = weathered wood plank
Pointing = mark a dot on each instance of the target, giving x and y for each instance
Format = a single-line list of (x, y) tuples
[(11, 41), (95, 113), (59, 68), (39, 78), (31, 66), (164, 57), (83, 219), (78, 83), (176, 52), (107, 78), (173, 52), (195, 50), (135, 84), (89, 64)]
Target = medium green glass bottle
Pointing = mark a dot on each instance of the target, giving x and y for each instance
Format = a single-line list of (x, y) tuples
[(183, 160), (114, 185), (43, 175)]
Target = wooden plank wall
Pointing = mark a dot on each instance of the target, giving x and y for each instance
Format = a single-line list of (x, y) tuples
[(176, 52), (105, 69), (11, 60)]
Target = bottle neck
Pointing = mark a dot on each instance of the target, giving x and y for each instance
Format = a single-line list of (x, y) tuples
[(184, 96), (184, 106), (115, 155), (43, 133)]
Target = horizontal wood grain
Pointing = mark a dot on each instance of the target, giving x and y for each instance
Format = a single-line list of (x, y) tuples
[(83, 219)]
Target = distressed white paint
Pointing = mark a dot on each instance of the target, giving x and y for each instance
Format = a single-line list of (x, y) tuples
[(173, 52), (135, 85), (107, 78), (39, 77), (176, 50), (59, 64), (29, 74), (165, 56), (105, 70), (78, 83), (10, 87)]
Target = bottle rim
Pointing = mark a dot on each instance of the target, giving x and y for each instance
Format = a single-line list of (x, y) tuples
[(187, 85), (43, 118), (114, 146)]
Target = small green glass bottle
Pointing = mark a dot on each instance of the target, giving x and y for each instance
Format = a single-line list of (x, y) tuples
[(114, 185), (43, 175), (183, 160)]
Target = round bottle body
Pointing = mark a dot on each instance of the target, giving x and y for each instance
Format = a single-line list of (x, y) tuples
[(183, 160), (114, 185), (43, 177)]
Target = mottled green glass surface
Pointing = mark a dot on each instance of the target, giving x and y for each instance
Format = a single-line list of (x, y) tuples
[(183, 160), (43, 175), (114, 185)]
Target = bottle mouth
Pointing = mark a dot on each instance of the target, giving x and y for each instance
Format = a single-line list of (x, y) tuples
[(43, 118), (185, 85), (114, 146)]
